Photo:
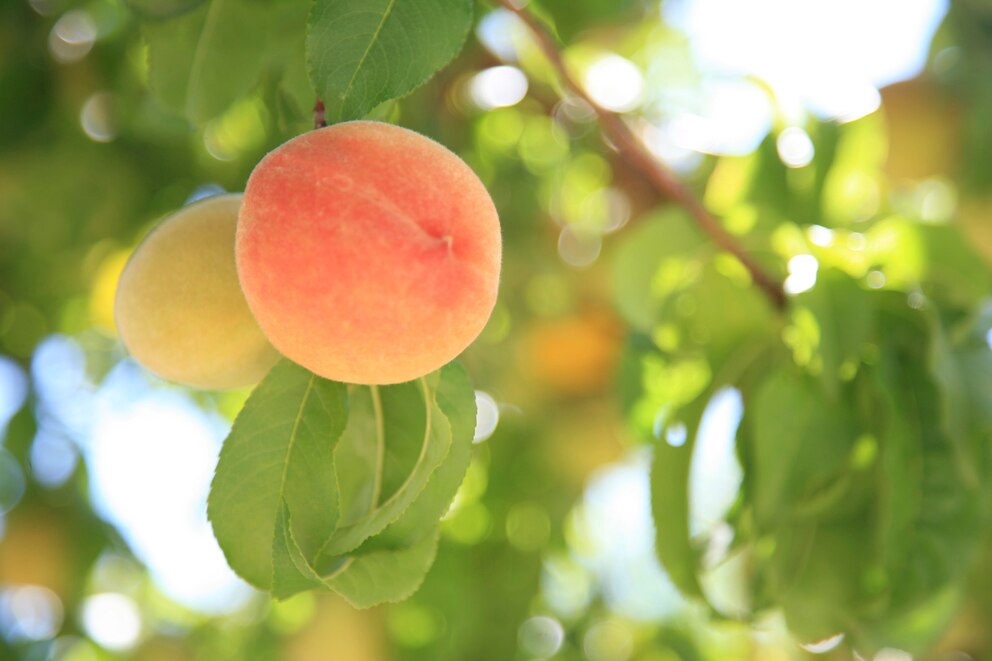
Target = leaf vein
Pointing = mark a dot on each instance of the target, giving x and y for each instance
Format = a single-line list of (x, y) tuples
[(368, 49)]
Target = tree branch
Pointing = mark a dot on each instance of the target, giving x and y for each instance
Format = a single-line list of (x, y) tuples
[(634, 151)]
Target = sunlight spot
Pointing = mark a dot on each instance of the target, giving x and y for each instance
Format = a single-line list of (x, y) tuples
[(856, 241), (112, 620), (486, 416), (795, 148), (825, 645), (578, 249), (937, 201), (528, 526), (413, 624), (715, 475), (575, 110), (610, 640), (848, 102), (820, 235), (43, 7), (796, 51), (732, 119), (498, 87), (566, 585), (203, 191), (802, 274), (615, 83), (58, 367), (29, 612), (97, 117), (720, 539), (72, 37), (495, 32), (618, 209), (541, 637), (53, 458), (676, 435), (664, 144), (240, 130), (291, 615)]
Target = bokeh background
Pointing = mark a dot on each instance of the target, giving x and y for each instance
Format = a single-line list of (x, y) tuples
[(806, 119)]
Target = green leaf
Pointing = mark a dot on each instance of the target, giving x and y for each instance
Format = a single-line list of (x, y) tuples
[(936, 258), (801, 443), (161, 9), (363, 52), (928, 507), (650, 263), (670, 501), (816, 576), (670, 469), (280, 450), (364, 579), (387, 575), (952, 369), (960, 362), (456, 399), (955, 273), (843, 313), (396, 437), (291, 573), (203, 61)]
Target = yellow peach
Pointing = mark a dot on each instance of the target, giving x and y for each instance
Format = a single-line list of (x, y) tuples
[(179, 308)]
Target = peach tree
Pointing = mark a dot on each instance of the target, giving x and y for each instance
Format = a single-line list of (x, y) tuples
[(865, 436)]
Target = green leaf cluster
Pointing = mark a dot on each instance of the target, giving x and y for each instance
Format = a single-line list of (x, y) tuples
[(863, 445), (327, 485), (206, 55), (866, 492), (864, 449)]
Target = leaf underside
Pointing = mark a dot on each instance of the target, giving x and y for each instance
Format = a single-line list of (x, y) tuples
[(341, 487)]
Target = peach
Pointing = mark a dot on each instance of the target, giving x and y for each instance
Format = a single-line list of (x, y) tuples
[(179, 308), (368, 252)]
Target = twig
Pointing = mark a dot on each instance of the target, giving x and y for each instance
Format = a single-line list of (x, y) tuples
[(634, 151)]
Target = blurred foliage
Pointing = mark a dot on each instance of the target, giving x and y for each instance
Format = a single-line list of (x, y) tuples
[(858, 490)]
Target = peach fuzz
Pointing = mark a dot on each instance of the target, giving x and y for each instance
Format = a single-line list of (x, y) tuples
[(179, 309), (368, 253)]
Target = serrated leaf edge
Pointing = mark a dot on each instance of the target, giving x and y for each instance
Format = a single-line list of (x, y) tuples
[(296, 555), (430, 402), (312, 76)]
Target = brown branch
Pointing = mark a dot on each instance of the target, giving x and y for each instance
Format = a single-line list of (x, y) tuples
[(634, 151)]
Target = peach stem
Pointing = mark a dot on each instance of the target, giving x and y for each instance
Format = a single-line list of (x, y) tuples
[(319, 118)]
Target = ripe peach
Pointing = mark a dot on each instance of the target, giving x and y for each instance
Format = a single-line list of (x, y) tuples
[(367, 252), (179, 309)]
